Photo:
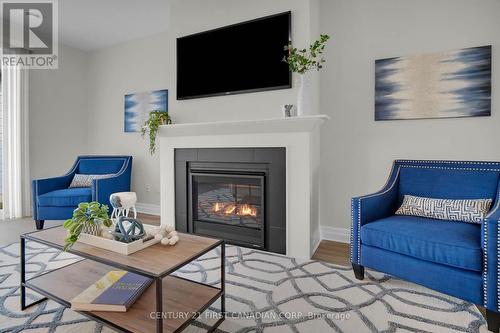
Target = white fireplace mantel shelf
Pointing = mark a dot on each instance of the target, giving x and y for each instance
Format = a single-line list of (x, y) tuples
[(277, 125)]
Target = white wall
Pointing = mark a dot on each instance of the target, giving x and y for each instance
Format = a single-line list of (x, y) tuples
[(142, 65), (70, 115), (58, 114), (357, 152), (149, 63)]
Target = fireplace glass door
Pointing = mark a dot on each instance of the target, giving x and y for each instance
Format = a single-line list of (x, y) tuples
[(228, 199)]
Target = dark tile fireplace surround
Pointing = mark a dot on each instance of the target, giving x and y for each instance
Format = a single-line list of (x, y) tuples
[(238, 194)]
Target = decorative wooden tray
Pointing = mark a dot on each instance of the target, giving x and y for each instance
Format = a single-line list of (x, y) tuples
[(115, 246)]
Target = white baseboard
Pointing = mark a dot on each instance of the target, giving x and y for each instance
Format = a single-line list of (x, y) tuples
[(315, 240), (335, 234), (146, 208)]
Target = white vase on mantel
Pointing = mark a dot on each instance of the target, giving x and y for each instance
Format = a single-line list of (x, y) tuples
[(304, 96)]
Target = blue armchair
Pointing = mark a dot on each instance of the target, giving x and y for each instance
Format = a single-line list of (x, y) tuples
[(54, 200), (456, 258)]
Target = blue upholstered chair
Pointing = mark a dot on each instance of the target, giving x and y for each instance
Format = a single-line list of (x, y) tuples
[(54, 200), (456, 258)]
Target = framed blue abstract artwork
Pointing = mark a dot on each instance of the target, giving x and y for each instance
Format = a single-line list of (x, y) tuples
[(437, 85), (139, 105)]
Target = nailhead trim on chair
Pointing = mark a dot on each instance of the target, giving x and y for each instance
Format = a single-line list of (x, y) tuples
[(447, 168), (485, 269), (485, 244), (448, 162), (36, 199), (352, 230), (498, 266), (359, 231)]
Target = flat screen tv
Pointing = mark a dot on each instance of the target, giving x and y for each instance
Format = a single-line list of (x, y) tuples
[(240, 58)]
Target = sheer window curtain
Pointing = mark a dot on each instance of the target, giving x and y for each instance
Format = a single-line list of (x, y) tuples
[(15, 143)]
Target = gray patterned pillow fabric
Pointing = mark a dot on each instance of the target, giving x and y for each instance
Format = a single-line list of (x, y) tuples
[(80, 180), (468, 210)]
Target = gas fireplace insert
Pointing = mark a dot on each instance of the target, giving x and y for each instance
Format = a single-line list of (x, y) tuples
[(238, 195), (231, 203)]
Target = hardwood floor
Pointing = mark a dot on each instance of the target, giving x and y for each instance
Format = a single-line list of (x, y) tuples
[(333, 252)]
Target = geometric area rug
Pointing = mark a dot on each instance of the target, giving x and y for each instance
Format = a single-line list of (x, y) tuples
[(266, 292)]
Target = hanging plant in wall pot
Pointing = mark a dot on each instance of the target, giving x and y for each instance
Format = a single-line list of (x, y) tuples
[(151, 126)]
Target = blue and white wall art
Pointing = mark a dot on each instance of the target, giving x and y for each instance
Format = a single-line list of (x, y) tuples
[(437, 85), (139, 105)]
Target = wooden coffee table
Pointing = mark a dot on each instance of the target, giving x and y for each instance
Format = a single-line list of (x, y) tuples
[(170, 304)]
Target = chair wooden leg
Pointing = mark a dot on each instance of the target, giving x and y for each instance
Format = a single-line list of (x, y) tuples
[(39, 224), (359, 271), (493, 320)]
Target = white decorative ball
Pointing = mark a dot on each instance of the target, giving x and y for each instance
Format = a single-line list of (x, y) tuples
[(173, 240), (172, 234)]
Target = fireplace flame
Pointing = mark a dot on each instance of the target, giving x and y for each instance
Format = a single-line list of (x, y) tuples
[(240, 209), (246, 209), (230, 209), (217, 207)]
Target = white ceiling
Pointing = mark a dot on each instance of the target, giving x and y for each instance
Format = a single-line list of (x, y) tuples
[(93, 24)]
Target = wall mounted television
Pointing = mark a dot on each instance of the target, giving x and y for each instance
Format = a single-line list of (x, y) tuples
[(240, 58)]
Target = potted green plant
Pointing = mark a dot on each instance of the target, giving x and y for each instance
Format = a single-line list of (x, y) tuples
[(156, 119), (301, 61), (87, 217)]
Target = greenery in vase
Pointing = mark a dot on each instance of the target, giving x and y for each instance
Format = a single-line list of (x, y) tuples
[(303, 60), (87, 212), (156, 118)]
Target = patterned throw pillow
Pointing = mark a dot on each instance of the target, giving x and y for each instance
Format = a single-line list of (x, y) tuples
[(80, 180), (471, 211)]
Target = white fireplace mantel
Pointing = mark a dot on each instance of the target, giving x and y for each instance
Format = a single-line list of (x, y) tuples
[(298, 135), (276, 125)]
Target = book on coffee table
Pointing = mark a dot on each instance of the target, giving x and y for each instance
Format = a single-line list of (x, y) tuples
[(116, 291)]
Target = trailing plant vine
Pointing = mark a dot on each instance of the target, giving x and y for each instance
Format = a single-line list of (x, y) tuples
[(156, 118)]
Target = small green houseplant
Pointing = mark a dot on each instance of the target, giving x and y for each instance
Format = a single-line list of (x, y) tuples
[(156, 118), (301, 61), (87, 214)]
